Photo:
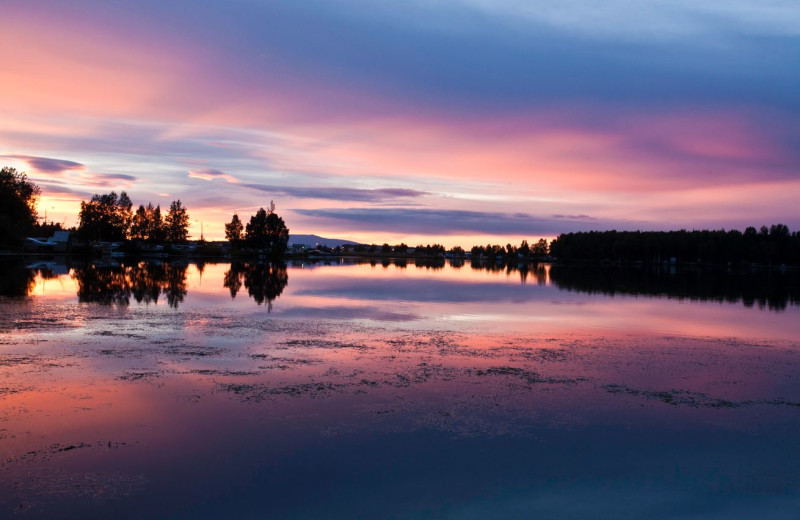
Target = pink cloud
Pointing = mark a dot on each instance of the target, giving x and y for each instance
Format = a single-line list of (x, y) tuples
[(68, 80), (211, 174), (90, 68), (47, 165)]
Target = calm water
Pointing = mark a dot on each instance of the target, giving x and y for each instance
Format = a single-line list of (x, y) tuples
[(397, 391)]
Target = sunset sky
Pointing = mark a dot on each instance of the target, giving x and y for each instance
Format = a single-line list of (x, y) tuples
[(451, 121)]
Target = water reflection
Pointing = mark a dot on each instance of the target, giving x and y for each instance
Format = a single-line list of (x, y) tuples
[(16, 280), (263, 281), (536, 386), (770, 289), (145, 281)]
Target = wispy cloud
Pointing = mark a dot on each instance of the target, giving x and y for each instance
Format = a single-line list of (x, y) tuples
[(341, 194), (48, 164), (649, 20), (448, 222), (573, 217), (116, 177), (210, 174), (51, 189)]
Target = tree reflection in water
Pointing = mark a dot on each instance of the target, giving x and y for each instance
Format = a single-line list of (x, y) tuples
[(145, 281), (773, 289), (16, 280), (263, 281), (769, 288), (537, 270)]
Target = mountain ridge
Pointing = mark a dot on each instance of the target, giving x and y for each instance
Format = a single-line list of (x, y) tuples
[(312, 240)]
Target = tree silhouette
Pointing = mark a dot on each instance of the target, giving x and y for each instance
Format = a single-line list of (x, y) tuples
[(18, 198), (147, 224), (267, 231), (234, 230), (140, 224), (106, 217), (540, 248), (176, 223), (156, 229)]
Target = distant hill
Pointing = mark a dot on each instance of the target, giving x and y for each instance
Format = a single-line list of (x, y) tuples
[(312, 240)]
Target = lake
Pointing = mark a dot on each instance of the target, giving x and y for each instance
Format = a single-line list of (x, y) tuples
[(397, 390)]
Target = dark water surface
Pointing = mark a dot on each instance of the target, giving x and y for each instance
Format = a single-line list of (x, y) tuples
[(178, 390)]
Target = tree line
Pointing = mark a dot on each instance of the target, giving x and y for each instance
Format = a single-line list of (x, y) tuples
[(110, 218), (489, 252), (510, 253), (772, 245), (386, 249), (107, 217)]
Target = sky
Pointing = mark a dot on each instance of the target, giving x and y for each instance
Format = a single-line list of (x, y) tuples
[(419, 121)]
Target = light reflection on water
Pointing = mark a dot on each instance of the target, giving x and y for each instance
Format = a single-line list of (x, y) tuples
[(312, 391), (701, 304)]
